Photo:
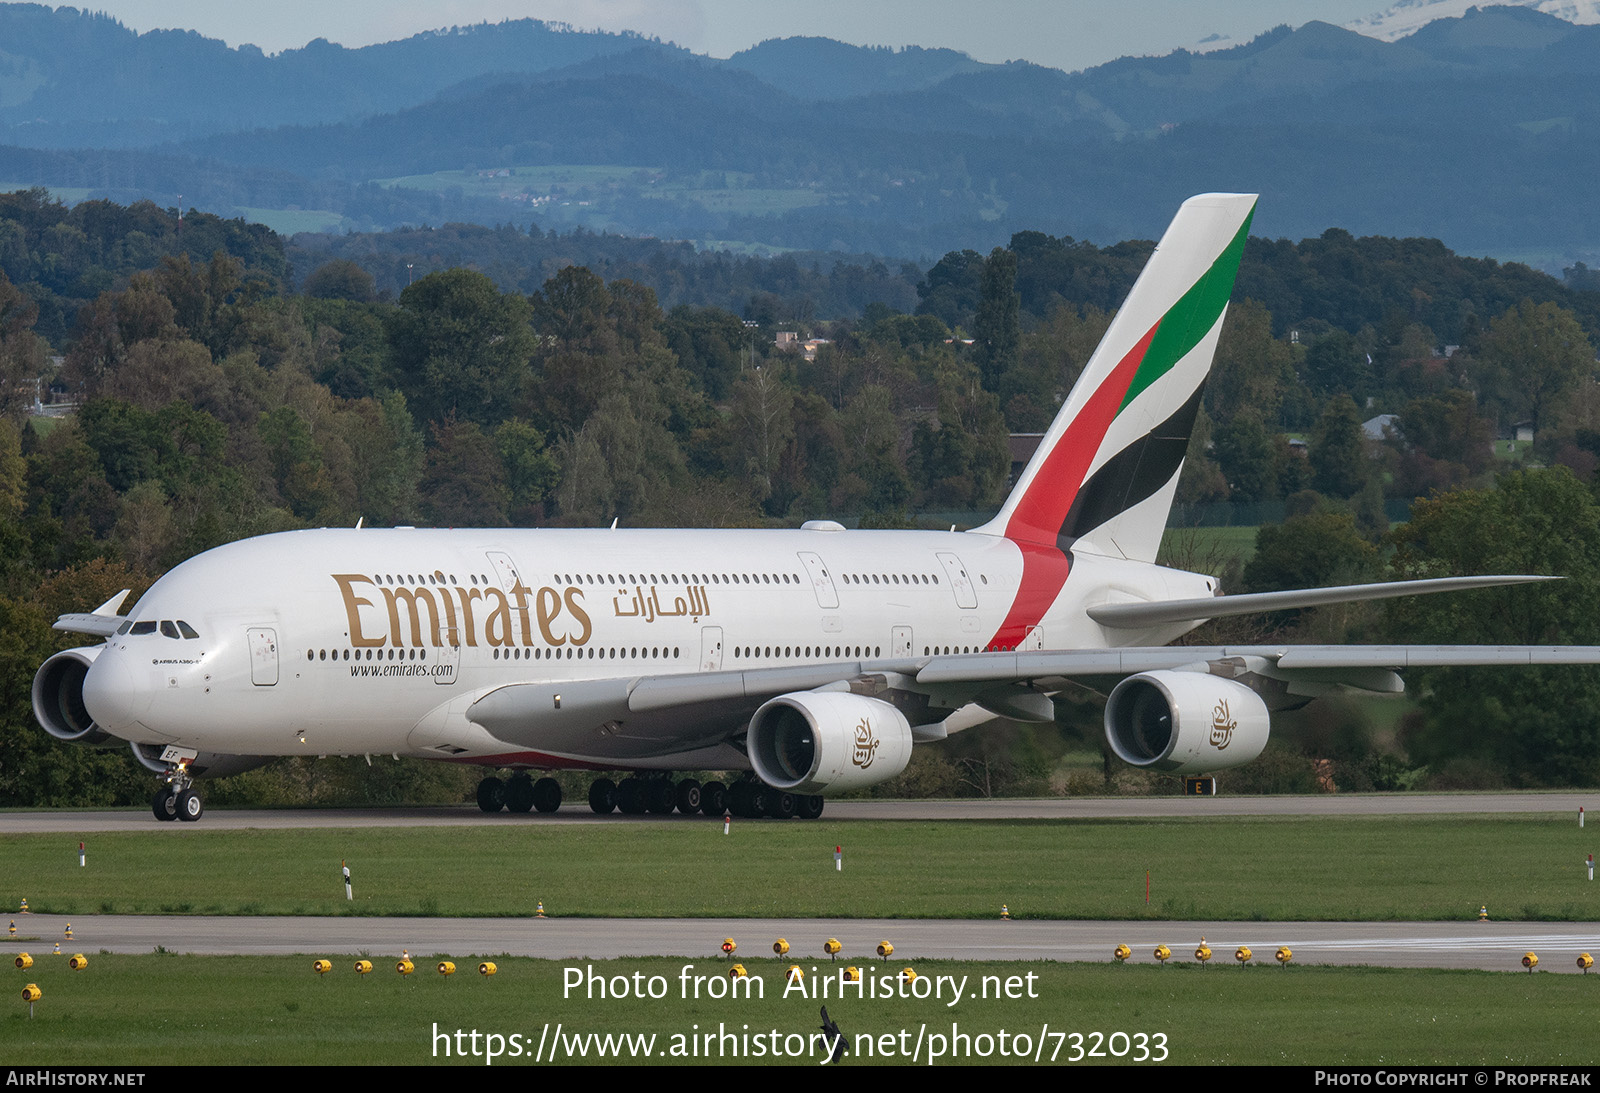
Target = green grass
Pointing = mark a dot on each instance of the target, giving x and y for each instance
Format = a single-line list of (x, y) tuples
[(1233, 868), (1208, 546), (564, 186), (290, 221), (163, 1009)]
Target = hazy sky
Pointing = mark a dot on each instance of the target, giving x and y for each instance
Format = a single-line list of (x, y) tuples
[(1069, 34)]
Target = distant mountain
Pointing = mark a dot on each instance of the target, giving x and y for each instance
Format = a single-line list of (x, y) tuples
[(1476, 129), (820, 68), (72, 78), (1409, 16)]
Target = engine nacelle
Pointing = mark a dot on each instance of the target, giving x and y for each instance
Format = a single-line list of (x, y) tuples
[(58, 698), (1185, 722), (826, 741)]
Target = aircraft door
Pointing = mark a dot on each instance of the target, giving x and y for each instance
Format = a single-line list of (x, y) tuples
[(900, 642), (960, 583), (504, 569), (448, 662), (821, 582), (263, 643), (711, 648)]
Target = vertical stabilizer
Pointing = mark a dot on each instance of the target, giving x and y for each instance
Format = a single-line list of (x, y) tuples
[(1104, 476)]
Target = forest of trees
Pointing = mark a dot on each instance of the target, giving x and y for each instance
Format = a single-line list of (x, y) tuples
[(216, 399)]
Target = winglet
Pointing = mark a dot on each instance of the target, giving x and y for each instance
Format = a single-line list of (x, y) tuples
[(113, 605)]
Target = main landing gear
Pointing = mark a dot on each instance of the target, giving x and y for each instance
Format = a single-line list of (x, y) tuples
[(653, 794), (748, 798), (178, 799), (520, 793)]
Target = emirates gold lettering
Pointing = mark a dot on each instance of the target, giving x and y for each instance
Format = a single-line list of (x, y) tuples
[(380, 614)]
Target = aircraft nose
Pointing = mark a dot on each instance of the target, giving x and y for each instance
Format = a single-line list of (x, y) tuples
[(113, 694)]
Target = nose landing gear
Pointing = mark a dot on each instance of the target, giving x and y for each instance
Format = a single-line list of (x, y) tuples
[(178, 799)]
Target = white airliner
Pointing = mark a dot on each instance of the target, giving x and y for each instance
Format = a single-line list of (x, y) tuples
[(815, 657)]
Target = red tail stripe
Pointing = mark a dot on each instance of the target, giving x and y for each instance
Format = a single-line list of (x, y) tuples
[(1044, 571), (1043, 509)]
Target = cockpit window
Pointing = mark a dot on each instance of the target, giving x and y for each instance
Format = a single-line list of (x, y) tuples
[(168, 630), (186, 630), (125, 627), (142, 628)]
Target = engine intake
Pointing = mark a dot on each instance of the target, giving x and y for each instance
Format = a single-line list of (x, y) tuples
[(58, 698), (825, 741), (1185, 722)]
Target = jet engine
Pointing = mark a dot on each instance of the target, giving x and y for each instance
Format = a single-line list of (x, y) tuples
[(826, 741), (1185, 722), (58, 698)]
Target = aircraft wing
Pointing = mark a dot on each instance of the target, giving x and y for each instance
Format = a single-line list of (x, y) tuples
[(101, 622), (664, 714)]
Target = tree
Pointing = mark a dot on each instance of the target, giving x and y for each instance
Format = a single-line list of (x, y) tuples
[(1537, 352), (1339, 466), (341, 279), (461, 346), (995, 327), (1537, 726), (1248, 458), (1310, 551)]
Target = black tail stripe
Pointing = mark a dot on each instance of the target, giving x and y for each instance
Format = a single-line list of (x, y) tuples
[(1133, 474)]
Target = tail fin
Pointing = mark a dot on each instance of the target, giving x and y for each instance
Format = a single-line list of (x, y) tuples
[(1104, 475)]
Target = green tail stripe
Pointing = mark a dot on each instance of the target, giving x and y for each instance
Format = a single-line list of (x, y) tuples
[(1181, 328)]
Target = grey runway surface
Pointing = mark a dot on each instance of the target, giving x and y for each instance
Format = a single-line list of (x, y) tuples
[(1060, 808), (1489, 945)]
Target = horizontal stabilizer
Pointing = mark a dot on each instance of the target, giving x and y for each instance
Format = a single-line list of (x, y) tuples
[(1042, 666), (1133, 616)]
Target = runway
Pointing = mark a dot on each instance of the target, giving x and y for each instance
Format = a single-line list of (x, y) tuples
[(1054, 808), (1492, 946)]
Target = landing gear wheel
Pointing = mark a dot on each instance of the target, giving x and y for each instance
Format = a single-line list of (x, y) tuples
[(713, 799), (189, 806), (688, 796), (760, 801), (491, 794), (780, 805), (602, 795), (519, 794), (630, 797), (547, 795), (165, 804), (809, 806), (661, 796), (739, 797)]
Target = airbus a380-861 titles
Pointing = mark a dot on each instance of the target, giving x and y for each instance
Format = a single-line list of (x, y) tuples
[(814, 658)]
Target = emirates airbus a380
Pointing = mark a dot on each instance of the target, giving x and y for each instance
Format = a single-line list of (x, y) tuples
[(814, 658)]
